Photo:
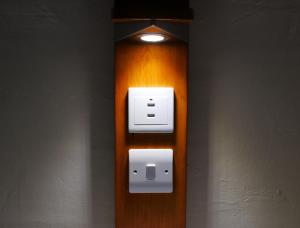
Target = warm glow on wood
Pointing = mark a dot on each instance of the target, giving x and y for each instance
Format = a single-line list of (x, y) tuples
[(139, 64)]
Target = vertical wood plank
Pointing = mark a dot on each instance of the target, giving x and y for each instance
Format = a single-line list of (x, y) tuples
[(140, 65)]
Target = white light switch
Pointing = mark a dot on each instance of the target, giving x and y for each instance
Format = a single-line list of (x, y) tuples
[(150, 170), (151, 110)]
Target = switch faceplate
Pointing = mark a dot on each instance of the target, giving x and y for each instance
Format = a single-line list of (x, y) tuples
[(150, 170), (151, 110)]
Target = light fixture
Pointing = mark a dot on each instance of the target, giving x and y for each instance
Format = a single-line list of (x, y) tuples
[(152, 37)]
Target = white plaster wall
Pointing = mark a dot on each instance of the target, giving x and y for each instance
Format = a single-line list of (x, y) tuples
[(244, 127), (56, 114)]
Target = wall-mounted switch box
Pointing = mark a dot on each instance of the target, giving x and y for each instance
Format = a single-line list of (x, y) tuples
[(150, 170), (151, 110)]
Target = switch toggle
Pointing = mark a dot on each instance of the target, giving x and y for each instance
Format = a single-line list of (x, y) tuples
[(150, 171)]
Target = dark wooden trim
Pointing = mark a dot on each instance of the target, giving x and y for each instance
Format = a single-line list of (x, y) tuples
[(141, 13), (129, 20)]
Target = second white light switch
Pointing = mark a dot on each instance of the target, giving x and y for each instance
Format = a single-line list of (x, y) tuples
[(150, 170)]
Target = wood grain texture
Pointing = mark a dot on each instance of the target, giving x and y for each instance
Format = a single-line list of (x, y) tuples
[(140, 64)]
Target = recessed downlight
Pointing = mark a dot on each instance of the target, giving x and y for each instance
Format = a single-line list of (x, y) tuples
[(152, 38)]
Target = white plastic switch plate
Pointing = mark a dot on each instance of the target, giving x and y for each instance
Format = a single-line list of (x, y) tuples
[(150, 170), (151, 110)]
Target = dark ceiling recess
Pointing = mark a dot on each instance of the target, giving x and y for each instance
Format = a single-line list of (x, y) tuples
[(154, 9)]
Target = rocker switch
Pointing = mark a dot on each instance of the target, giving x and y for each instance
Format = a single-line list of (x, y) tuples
[(150, 171)]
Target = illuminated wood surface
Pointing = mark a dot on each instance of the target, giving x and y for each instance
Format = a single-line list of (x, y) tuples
[(136, 65)]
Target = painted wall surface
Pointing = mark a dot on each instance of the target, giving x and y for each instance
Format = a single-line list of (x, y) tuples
[(244, 110), (56, 114), (56, 118)]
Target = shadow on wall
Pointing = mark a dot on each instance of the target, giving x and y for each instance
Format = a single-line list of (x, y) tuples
[(198, 145), (102, 124)]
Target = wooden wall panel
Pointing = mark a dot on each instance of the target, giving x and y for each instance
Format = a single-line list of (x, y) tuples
[(140, 64)]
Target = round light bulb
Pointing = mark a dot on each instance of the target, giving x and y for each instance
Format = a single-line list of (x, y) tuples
[(152, 38)]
